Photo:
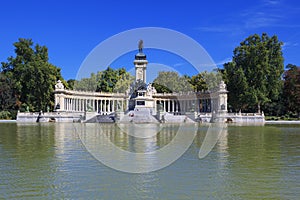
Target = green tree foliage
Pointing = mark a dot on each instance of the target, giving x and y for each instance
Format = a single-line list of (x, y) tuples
[(114, 80), (88, 84), (7, 93), (292, 89), (161, 88), (254, 75), (211, 80), (198, 82), (33, 76), (124, 82), (109, 80), (70, 84), (169, 81)]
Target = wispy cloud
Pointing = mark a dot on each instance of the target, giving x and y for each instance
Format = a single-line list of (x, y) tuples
[(271, 2), (287, 45), (179, 64), (220, 28), (212, 66), (261, 19), (269, 13)]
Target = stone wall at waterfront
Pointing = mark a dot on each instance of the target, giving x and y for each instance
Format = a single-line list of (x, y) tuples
[(50, 116), (192, 116)]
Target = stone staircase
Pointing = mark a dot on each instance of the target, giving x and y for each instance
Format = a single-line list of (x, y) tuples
[(101, 119), (139, 115), (170, 118)]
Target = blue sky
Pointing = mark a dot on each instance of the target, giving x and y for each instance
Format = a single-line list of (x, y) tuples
[(71, 29)]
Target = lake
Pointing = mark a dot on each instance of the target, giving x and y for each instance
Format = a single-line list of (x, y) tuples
[(54, 161)]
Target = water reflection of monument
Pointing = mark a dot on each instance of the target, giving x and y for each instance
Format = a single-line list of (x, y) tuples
[(129, 138)]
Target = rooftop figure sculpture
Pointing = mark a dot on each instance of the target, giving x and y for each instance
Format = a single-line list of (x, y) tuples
[(141, 46)]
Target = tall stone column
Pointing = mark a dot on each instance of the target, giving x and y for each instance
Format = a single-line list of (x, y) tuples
[(113, 105), (67, 104), (173, 104), (72, 103), (93, 105), (97, 105)]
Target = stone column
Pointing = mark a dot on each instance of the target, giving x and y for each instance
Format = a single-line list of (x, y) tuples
[(93, 103), (173, 104), (68, 102), (97, 105), (79, 105), (65, 104), (113, 105), (76, 104)]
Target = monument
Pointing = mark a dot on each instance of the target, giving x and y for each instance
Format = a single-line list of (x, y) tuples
[(143, 93), (141, 103), (140, 64)]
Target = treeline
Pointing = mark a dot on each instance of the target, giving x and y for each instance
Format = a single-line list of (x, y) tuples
[(255, 78), (27, 80)]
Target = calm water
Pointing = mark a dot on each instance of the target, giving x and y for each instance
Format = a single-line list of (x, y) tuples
[(49, 161)]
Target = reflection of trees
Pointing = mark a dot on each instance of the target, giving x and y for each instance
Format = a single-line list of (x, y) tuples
[(255, 160), (28, 141), (27, 157), (202, 130)]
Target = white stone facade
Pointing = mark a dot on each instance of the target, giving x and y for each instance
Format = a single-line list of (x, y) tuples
[(106, 103)]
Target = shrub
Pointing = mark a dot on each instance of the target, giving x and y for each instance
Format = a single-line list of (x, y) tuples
[(5, 114)]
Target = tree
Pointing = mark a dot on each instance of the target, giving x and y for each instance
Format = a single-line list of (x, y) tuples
[(71, 83), (114, 80), (124, 81), (254, 75), (7, 93), (109, 80), (34, 77), (198, 82), (237, 86), (211, 80), (292, 89), (169, 81), (88, 84)]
